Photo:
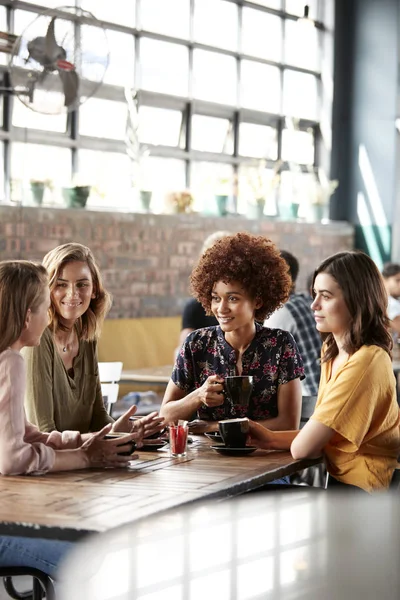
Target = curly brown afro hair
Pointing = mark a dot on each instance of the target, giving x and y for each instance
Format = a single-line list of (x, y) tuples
[(254, 261)]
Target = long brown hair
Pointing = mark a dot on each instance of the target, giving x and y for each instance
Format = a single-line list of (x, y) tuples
[(90, 323), (22, 286), (366, 300)]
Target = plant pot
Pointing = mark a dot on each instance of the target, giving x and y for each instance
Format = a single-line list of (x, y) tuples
[(37, 189), (145, 199), (76, 197), (288, 211), (317, 212), (255, 211), (221, 201)]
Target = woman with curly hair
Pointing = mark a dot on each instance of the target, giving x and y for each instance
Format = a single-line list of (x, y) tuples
[(241, 280), (356, 420), (63, 386)]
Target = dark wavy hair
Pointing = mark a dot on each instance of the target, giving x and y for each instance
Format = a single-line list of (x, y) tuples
[(366, 300), (91, 321), (253, 261)]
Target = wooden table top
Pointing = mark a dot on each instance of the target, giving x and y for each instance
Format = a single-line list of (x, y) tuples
[(68, 505), (148, 375)]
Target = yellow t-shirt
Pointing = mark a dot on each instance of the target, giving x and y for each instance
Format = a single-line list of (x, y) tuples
[(359, 404)]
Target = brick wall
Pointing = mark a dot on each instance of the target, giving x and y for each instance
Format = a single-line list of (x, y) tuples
[(146, 259)]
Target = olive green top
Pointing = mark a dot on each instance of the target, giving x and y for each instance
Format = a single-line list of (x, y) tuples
[(56, 400)]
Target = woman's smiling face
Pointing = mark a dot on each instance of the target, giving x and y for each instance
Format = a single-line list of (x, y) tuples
[(73, 291), (232, 306)]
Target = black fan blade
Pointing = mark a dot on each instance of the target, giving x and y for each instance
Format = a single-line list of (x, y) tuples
[(53, 50), (70, 81)]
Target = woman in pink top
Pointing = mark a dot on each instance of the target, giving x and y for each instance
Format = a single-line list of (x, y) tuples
[(24, 305)]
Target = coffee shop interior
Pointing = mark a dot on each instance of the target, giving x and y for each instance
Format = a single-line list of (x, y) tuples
[(139, 128)]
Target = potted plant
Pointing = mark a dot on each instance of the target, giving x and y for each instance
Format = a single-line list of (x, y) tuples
[(260, 184), (223, 190), (180, 202), (77, 194), (136, 151), (320, 195), (38, 187)]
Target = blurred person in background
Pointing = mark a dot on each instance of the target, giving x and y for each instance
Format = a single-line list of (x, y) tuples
[(297, 317), (194, 316)]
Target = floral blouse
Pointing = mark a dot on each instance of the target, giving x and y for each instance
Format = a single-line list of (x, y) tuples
[(272, 359)]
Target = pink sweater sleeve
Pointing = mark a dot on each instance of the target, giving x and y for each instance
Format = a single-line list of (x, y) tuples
[(23, 448)]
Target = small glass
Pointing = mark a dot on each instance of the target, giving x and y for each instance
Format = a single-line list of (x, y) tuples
[(178, 435)]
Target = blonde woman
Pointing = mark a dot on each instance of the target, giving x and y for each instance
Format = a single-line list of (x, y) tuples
[(63, 386), (24, 304)]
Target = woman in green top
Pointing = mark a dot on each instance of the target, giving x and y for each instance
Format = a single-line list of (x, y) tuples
[(63, 385)]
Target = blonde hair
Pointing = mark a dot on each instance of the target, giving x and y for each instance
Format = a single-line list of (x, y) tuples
[(90, 323), (22, 286)]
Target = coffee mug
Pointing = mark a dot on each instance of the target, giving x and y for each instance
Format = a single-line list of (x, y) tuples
[(116, 435), (238, 391), (234, 432)]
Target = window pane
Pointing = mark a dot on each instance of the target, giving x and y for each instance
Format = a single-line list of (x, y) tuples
[(294, 7), (115, 11), (40, 163), (208, 84), (121, 64), (165, 67), (300, 95), (296, 187), (171, 18), (271, 3), (262, 34), (298, 146), (301, 46), (162, 176), (159, 126), (22, 116), (207, 181), (259, 141), (98, 170), (4, 58), (103, 119), (210, 134), (255, 182), (46, 3), (260, 87), (221, 30)]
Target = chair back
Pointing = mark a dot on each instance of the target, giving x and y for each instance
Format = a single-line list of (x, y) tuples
[(110, 374), (307, 408)]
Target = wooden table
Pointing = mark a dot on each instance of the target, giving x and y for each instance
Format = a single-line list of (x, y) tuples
[(69, 505), (148, 376), (276, 546)]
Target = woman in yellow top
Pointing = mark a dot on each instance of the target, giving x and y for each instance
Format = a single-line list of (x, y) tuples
[(356, 419)]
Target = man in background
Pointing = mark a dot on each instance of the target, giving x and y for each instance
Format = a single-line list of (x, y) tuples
[(194, 316), (297, 317)]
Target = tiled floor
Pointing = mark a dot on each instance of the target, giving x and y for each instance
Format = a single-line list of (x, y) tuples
[(21, 584)]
